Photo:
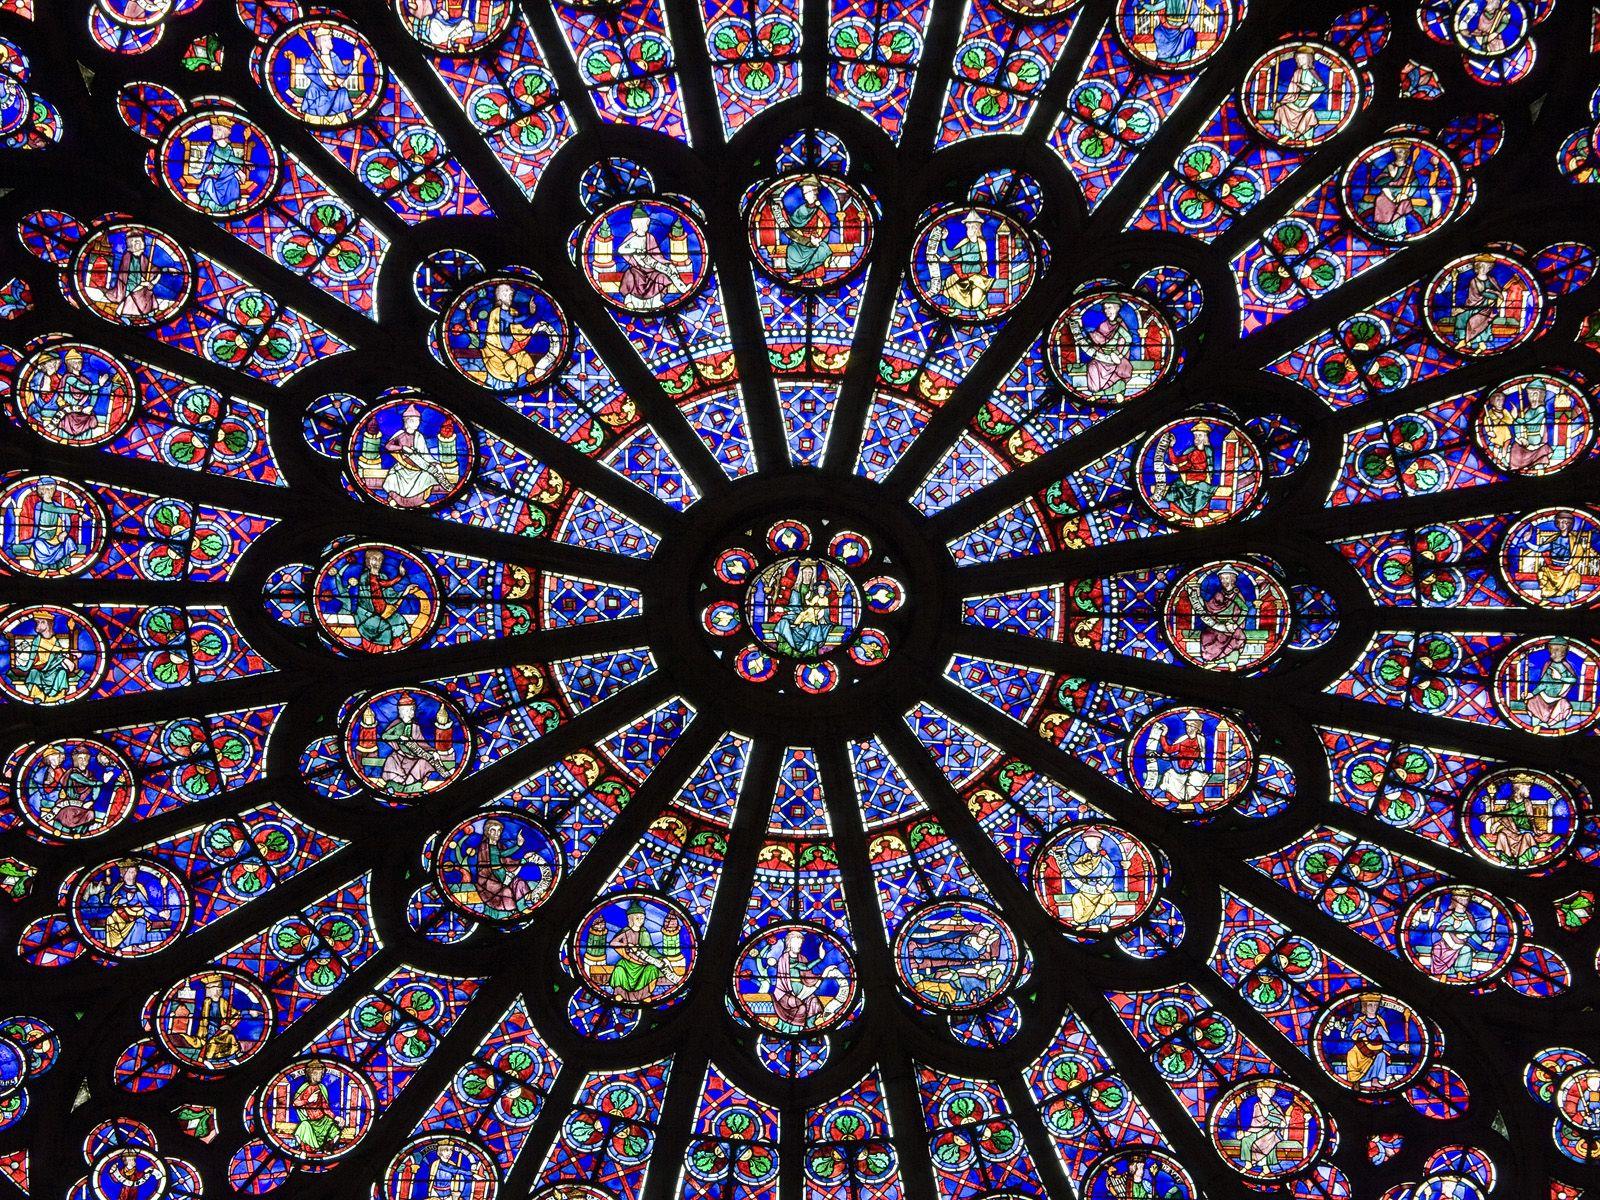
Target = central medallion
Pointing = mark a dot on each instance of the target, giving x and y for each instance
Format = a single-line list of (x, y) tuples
[(801, 605)]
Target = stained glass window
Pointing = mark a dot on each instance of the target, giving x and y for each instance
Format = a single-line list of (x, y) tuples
[(799, 599)]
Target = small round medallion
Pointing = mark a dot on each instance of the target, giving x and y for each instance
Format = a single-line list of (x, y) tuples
[(407, 742), (214, 1019), (956, 956), (1199, 471), (130, 907), (505, 334), (1110, 346), (1458, 934), (219, 163), (1191, 760), (645, 256), (794, 979), (49, 527), (498, 865), (376, 599), (1535, 424), (1267, 1129), (411, 453), (1371, 1042), (131, 274), (317, 1109), (973, 263), (811, 230), (1548, 686), (75, 788), (49, 655), (1402, 189), (635, 949), (1520, 818), (1301, 94), (324, 73), (1173, 37), (76, 395), (1228, 616)]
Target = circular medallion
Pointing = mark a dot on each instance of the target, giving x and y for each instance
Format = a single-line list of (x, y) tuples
[(49, 527), (738, 1146), (441, 1167), (871, 648), (850, 548), (810, 231), (635, 948), (1095, 878), (1458, 934), (796, 605), (1131, 1173), (1199, 471), (316, 1109), (794, 979), (1551, 558), (505, 334), (324, 73), (1173, 36), (956, 956), (219, 163), (1577, 1096), (411, 453), (132, 275), (1110, 346), (815, 678), (972, 263), (788, 537), (130, 1173), (1534, 424), (1489, 28), (1484, 304), (37, 1041), (213, 1020), (455, 26), (407, 742), (1371, 1042), (498, 865), (1191, 760), (1267, 1129), (645, 256), (129, 907), (722, 617), (1519, 818), (376, 599), (884, 594), (76, 395), (1227, 616), (736, 565), (755, 665), (1547, 686), (802, 608), (74, 788), (1401, 189), (49, 655), (1300, 94)]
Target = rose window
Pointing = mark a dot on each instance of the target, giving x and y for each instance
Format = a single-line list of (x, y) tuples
[(798, 600)]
